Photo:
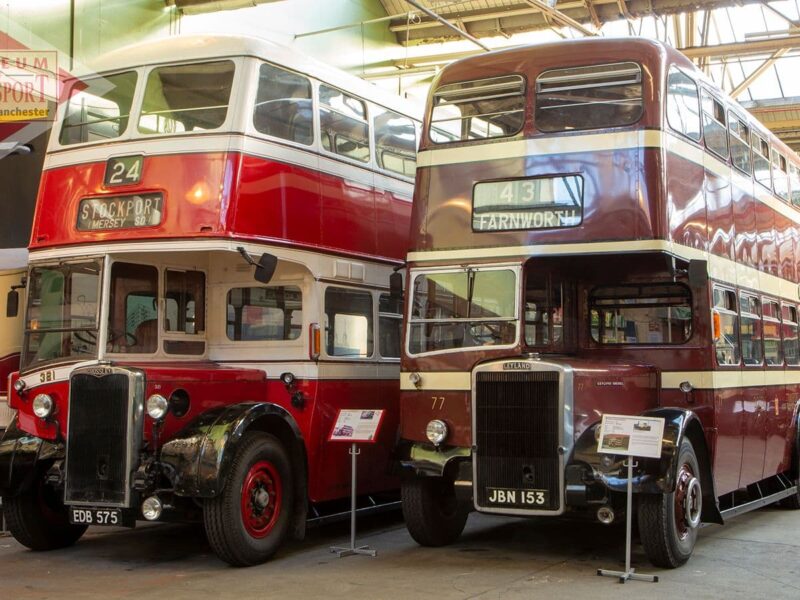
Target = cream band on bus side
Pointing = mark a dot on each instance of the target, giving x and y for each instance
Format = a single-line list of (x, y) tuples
[(461, 381)]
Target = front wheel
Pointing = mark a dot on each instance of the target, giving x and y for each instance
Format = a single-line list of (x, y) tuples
[(669, 523), (38, 518), (249, 520), (433, 514)]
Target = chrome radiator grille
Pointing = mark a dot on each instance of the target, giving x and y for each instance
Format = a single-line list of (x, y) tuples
[(517, 435), (104, 429)]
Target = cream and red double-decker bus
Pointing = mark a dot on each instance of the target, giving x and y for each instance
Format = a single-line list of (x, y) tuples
[(216, 226), (601, 231), (13, 263)]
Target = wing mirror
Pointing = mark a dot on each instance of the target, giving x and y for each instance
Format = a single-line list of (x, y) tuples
[(265, 266), (12, 304)]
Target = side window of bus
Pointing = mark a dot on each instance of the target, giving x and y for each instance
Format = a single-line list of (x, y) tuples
[(726, 327), (343, 121), (740, 144), (752, 342), (98, 109), (791, 343), (348, 323), (641, 314), (389, 326), (264, 313), (780, 175), (794, 183), (773, 353), (683, 104), (589, 97), (283, 105), (185, 310), (478, 110), (191, 97), (395, 142), (761, 160), (714, 130), (133, 312)]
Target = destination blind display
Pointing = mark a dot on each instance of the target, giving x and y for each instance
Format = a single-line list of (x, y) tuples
[(120, 212), (533, 203)]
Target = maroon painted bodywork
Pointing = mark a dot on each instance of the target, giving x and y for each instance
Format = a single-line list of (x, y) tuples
[(640, 193)]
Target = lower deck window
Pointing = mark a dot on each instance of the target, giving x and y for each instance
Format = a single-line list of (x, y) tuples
[(641, 314), (265, 313), (348, 323)]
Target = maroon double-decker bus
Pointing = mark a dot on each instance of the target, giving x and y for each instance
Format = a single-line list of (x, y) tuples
[(600, 231), (217, 223)]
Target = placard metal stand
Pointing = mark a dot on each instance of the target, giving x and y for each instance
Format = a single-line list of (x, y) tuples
[(354, 426), (340, 550), (628, 573), (630, 436)]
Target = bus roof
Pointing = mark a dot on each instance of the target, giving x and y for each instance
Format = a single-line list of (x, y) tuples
[(529, 58), (198, 47)]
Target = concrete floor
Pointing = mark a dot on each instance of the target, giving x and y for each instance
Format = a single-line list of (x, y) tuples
[(754, 556)]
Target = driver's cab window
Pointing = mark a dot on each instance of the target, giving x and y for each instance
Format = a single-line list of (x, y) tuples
[(184, 312), (133, 314), (544, 312)]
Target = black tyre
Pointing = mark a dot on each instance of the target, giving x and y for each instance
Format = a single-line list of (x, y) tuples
[(669, 523), (433, 514), (38, 518), (247, 523)]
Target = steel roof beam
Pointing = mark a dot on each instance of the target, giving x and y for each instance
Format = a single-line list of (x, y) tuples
[(447, 23), (559, 17), (759, 71), (765, 46)]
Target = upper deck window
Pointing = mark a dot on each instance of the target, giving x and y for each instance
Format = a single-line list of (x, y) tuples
[(395, 142), (780, 175), (740, 146), (98, 109), (761, 160), (343, 121), (190, 97), (794, 181), (589, 97), (683, 104), (714, 128), (479, 109), (283, 105)]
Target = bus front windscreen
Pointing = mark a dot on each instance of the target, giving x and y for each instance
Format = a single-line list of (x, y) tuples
[(469, 308), (62, 316)]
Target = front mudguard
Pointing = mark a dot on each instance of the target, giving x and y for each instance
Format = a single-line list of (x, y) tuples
[(200, 456), (22, 456), (653, 475)]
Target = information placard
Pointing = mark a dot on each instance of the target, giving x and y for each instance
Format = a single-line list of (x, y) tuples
[(356, 425), (631, 436)]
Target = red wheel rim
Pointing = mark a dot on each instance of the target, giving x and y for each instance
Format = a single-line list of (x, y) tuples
[(261, 499), (682, 490)]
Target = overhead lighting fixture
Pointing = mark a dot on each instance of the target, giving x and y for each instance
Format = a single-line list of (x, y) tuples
[(190, 7)]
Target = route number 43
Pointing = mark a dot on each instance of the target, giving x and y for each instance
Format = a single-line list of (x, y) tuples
[(123, 170)]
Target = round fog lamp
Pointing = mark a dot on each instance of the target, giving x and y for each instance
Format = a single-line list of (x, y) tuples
[(436, 431), (152, 508), (19, 386), (42, 406), (157, 406)]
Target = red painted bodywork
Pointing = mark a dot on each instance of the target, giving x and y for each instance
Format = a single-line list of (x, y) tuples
[(232, 196), (638, 193), (8, 364)]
